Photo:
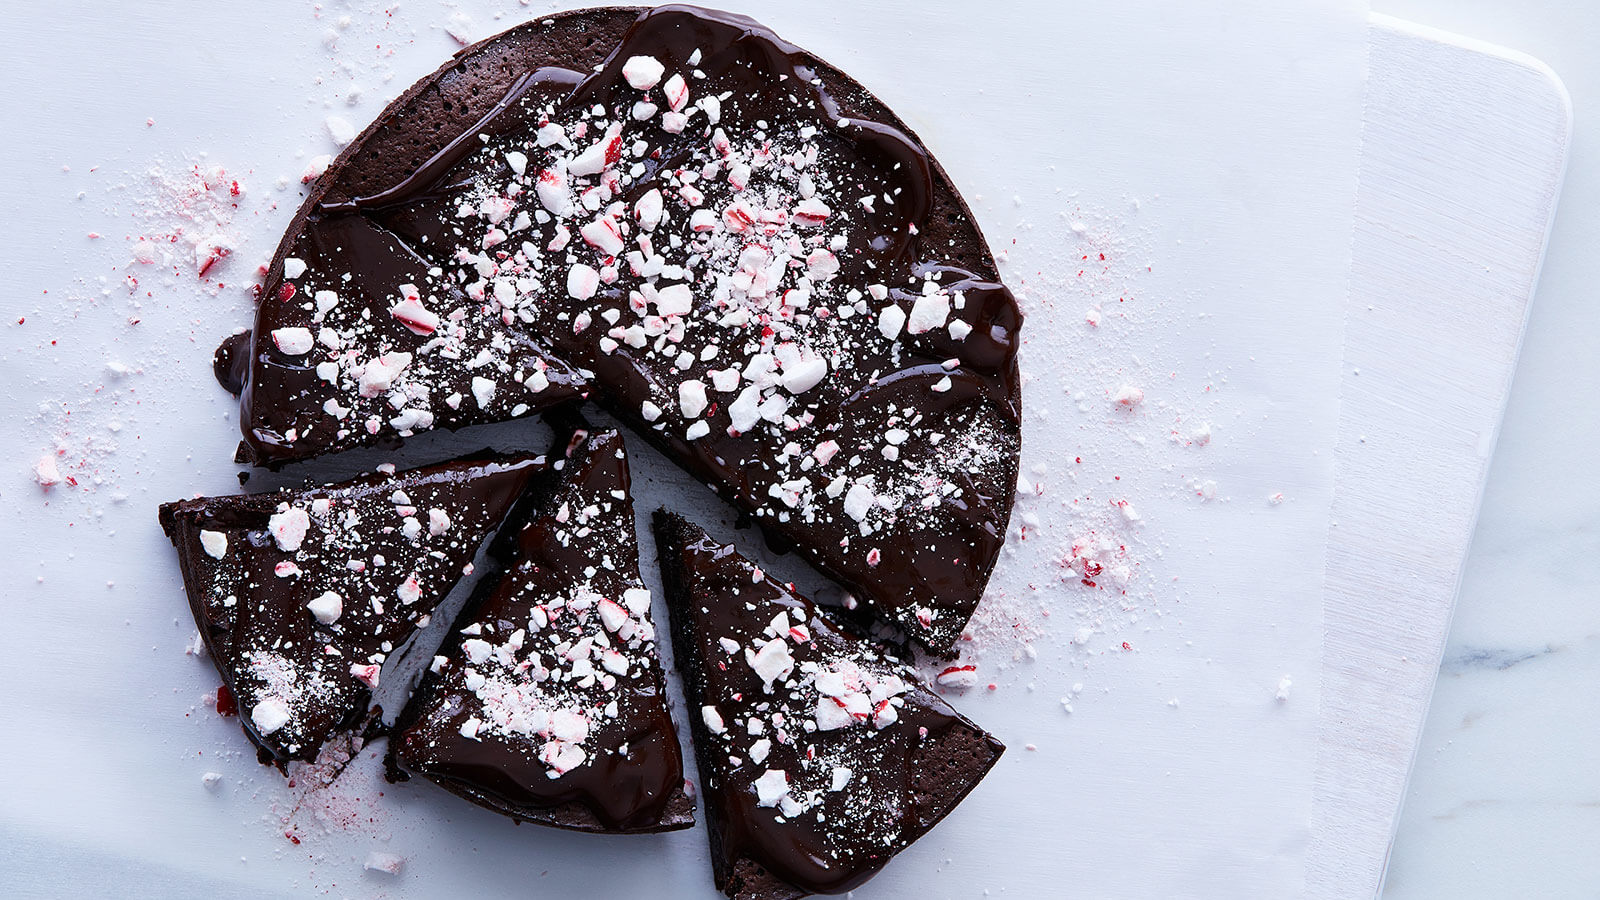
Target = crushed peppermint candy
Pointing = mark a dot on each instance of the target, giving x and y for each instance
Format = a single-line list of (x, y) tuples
[(46, 473), (350, 565), (663, 226), (563, 649)]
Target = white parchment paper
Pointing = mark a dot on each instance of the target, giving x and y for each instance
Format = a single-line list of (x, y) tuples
[(1209, 151)]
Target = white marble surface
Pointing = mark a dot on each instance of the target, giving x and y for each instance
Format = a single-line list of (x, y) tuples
[(1505, 797)]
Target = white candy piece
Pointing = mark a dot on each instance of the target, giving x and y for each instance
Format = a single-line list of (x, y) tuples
[(612, 616), (603, 235), (289, 528), (477, 650), (958, 677), (582, 281), (713, 719), (326, 301), (811, 211), (771, 787), (378, 375), (550, 134), (858, 501), (841, 777), (637, 600), (45, 472), (569, 726), (409, 590), (675, 300), (438, 521), (327, 608), (642, 72), (772, 662), (745, 410), (648, 209), (890, 320), (821, 264), (293, 341), (562, 757), (293, 267), (804, 375), (930, 311), (215, 543), (270, 715), (483, 390), (387, 863), (1128, 395), (315, 168), (366, 674), (551, 189), (211, 780), (692, 398), (592, 161), (711, 105), (414, 316), (677, 91), (341, 131)]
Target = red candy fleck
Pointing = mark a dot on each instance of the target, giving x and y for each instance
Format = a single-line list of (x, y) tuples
[(226, 704)]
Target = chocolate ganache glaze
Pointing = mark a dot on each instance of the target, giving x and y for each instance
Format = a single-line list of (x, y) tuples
[(820, 757), (301, 595), (548, 703), (725, 242)]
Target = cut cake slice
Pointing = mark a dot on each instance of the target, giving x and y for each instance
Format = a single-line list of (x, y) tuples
[(820, 757), (548, 702), (301, 595)]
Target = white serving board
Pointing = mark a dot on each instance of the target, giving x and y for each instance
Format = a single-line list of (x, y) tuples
[(1464, 150)]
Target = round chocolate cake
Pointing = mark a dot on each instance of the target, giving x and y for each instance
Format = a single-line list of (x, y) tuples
[(744, 256), (727, 243)]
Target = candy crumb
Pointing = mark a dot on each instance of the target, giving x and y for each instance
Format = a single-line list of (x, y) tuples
[(387, 863)]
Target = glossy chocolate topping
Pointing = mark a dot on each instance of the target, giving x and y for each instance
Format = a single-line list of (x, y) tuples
[(777, 287), (820, 757), (301, 595), (548, 702)]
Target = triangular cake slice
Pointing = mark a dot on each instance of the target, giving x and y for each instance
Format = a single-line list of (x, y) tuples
[(301, 595), (355, 344), (820, 756), (548, 702)]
